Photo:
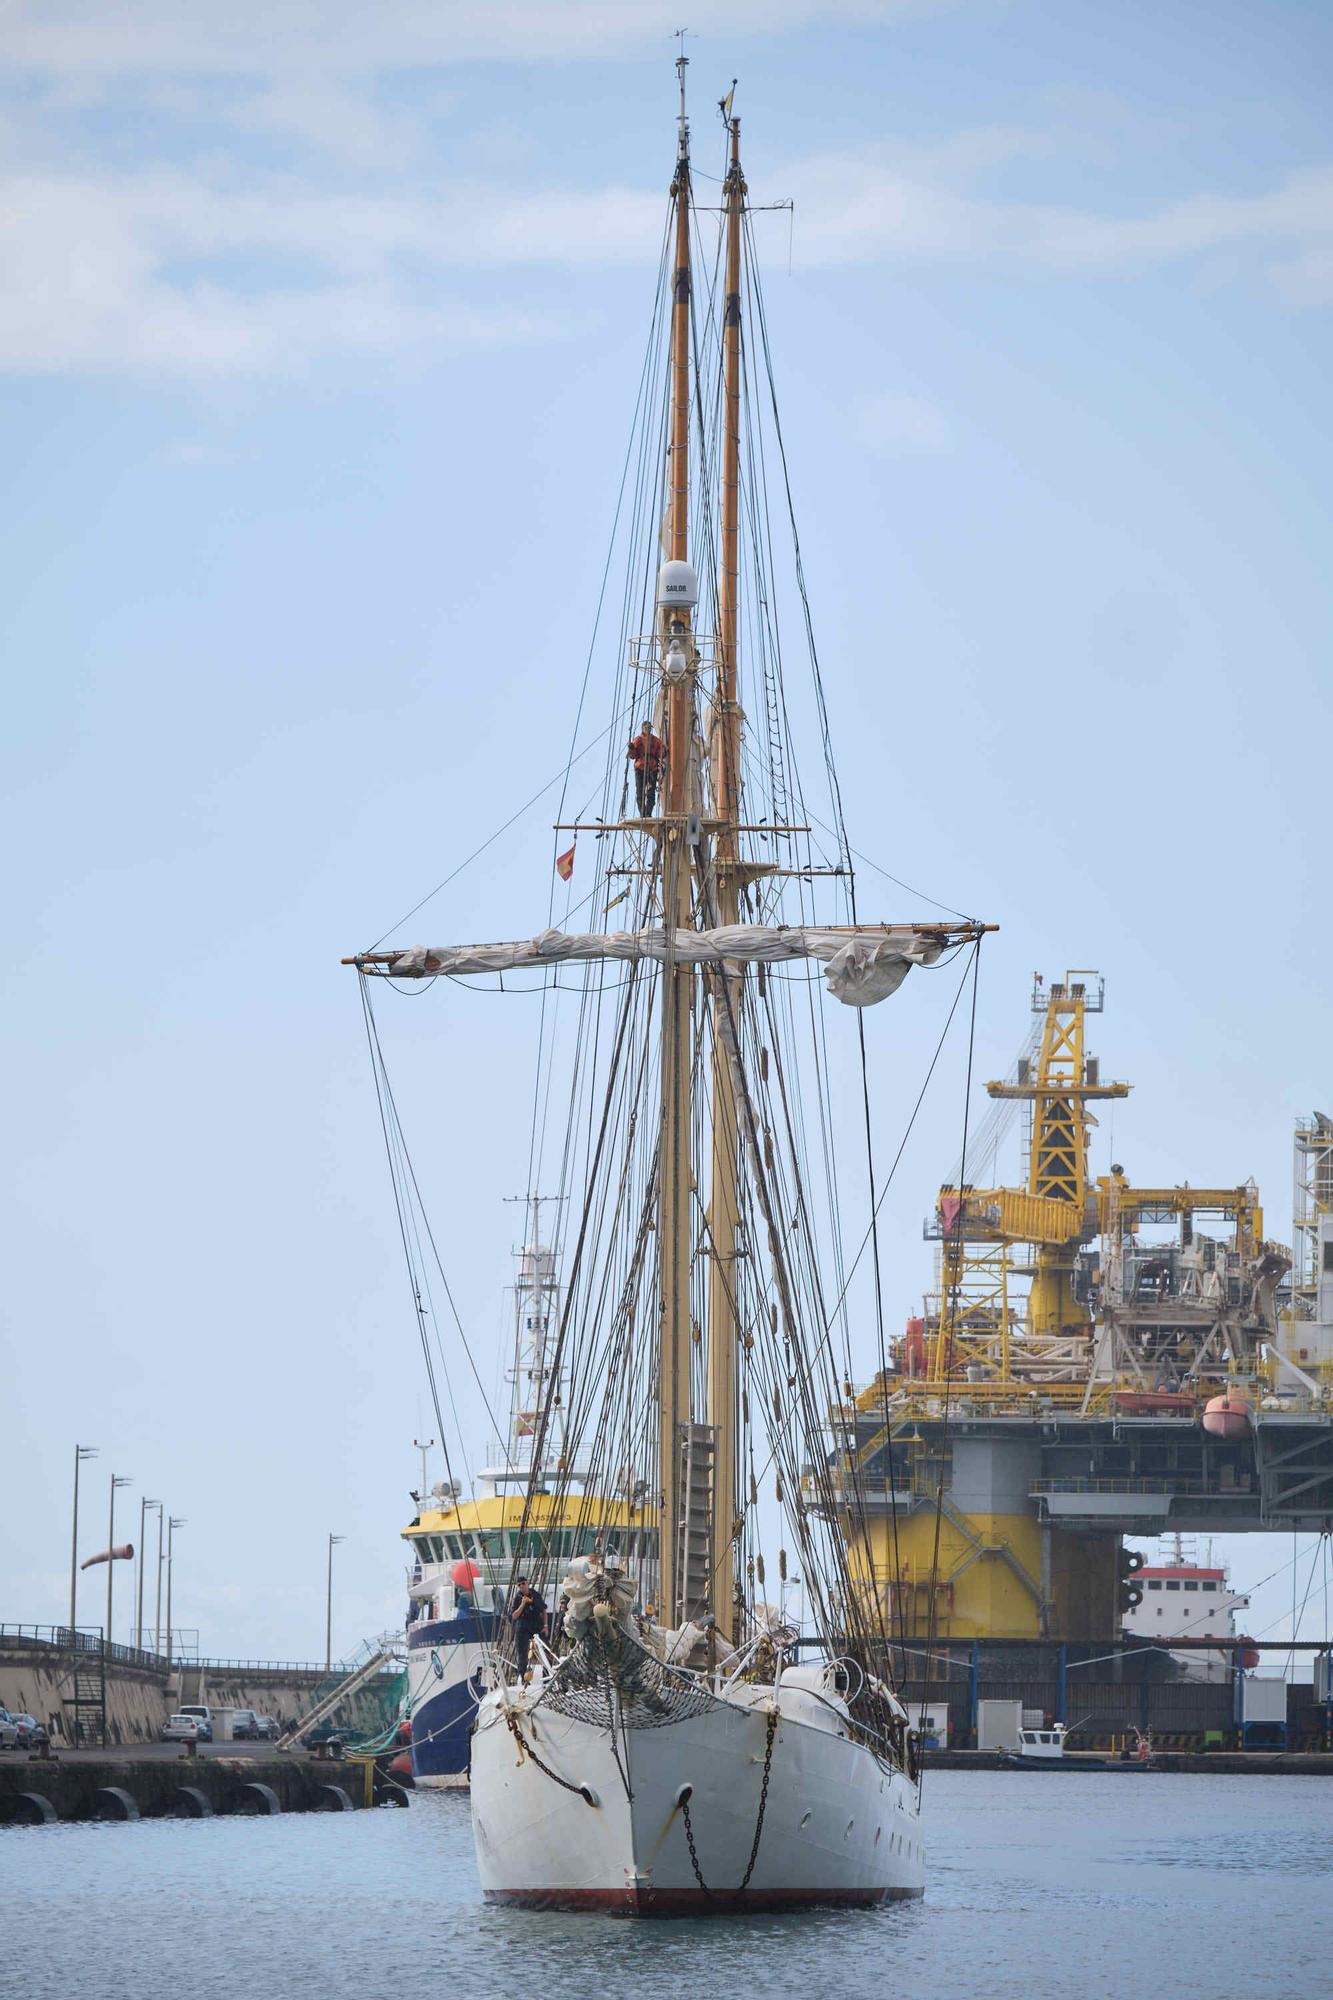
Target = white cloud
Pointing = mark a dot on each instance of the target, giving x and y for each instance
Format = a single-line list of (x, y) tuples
[(114, 275), (860, 208), (121, 251), (175, 271), (87, 38)]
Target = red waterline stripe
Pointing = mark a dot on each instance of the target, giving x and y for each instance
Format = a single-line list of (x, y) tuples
[(693, 1902)]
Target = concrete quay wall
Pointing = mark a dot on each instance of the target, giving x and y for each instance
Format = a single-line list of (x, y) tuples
[(85, 1785), (36, 1677)]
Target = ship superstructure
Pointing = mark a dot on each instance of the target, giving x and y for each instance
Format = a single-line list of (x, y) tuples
[(1183, 1598), (465, 1551)]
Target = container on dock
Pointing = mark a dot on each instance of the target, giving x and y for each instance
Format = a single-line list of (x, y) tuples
[(998, 1724)]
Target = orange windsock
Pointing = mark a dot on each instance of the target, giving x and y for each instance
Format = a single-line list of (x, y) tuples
[(123, 1553)]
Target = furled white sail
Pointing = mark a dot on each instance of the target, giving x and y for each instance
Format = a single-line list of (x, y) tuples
[(862, 965)]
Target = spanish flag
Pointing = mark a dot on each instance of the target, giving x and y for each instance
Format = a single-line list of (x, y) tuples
[(564, 863)]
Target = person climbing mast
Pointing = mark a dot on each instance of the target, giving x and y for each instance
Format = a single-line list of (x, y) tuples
[(648, 755)]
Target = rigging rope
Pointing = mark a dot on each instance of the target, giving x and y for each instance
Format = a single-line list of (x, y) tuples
[(957, 1226)]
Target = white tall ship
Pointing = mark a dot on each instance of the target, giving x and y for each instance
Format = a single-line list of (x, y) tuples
[(669, 1749)]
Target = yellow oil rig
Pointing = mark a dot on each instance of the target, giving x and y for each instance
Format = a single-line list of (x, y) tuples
[(1091, 1364)]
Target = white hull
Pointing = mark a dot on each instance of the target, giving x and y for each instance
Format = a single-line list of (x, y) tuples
[(838, 1826)]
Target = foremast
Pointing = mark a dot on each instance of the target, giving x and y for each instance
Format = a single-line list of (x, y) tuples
[(674, 1176)]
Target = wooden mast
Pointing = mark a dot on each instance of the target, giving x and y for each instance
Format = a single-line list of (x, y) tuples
[(723, 1324), (675, 1179)]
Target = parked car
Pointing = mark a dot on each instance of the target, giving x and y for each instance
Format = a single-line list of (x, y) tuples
[(203, 1715), (182, 1729), (9, 1730), (244, 1725), (270, 1729), (31, 1731)]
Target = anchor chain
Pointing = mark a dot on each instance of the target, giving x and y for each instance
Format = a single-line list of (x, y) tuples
[(759, 1822), (689, 1841), (526, 1749)]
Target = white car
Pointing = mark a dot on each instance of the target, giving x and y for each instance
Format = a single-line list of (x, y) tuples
[(9, 1730), (181, 1729)]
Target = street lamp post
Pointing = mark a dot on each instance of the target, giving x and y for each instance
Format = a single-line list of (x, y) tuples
[(81, 1451), (172, 1525), (144, 1505), (328, 1608), (116, 1483), (157, 1618)]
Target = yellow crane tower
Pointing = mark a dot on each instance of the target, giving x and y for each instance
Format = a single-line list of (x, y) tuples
[(1056, 1213)]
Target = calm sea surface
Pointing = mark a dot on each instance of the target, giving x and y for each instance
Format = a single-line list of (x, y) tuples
[(1040, 1886)]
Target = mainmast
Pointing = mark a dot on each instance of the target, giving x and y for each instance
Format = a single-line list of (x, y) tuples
[(724, 766), (675, 1177)]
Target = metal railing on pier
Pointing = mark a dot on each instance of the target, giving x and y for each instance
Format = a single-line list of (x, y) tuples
[(88, 1639), (336, 1672)]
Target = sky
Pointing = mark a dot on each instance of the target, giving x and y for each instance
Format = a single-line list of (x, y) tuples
[(320, 328)]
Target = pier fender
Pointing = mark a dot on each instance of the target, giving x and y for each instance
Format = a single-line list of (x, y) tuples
[(188, 1802), (114, 1802), (332, 1798), (257, 1799), (30, 1809)]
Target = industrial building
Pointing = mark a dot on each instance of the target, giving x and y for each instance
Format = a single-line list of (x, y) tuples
[(1098, 1358)]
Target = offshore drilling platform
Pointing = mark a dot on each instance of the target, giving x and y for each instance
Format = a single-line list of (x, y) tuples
[(1093, 1363)]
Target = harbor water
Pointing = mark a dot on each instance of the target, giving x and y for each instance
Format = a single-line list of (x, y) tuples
[(1041, 1886)]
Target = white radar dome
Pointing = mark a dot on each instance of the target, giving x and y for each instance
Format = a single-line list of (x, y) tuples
[(677, 586)]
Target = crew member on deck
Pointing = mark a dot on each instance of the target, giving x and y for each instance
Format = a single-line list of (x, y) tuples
[(648, 754), (527, 1615)]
